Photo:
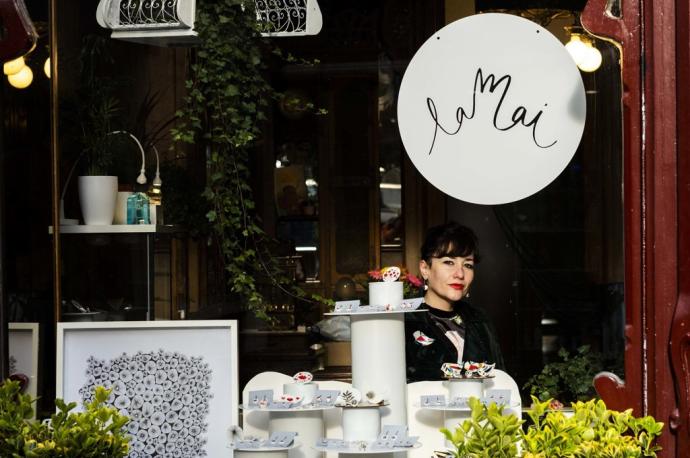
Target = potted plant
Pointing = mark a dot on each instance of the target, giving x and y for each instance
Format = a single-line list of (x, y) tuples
[(98, 431), (97, 111), (223, 113), (568, 379)]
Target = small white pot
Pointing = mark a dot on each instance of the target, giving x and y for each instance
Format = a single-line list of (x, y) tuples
[(304, 390), (97, 196)]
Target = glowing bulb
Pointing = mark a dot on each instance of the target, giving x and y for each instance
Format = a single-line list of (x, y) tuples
[(591, 61), (13, 66), (46, 67), (21, 79), (577, 48)]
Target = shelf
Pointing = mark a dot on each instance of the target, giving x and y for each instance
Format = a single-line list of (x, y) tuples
[(115, 229)]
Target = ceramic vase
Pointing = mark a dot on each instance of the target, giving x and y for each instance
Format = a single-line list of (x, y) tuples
[(97, 196)]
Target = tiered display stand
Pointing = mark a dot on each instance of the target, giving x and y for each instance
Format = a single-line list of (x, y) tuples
[(378, 373)]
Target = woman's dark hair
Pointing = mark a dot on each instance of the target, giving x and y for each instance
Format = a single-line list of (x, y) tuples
[(450, 239)]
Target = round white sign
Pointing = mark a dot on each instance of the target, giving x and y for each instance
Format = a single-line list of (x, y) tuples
[(491, 108)]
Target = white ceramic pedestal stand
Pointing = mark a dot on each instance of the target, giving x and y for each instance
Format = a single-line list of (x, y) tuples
[(465, 388), (362, 423), (378, 361), (308, 424), (378, 351)]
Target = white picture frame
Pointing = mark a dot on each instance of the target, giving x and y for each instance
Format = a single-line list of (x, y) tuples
[(140, 362), (23, 352)]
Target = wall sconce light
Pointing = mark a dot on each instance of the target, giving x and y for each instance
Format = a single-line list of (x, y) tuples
[(22, 79), (46, 67), (581, 48), (13, 66)]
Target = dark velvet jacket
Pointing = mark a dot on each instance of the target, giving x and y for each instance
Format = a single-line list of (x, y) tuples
[(424, 361)]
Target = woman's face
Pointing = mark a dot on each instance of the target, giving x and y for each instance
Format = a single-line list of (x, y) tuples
[(448, 279)]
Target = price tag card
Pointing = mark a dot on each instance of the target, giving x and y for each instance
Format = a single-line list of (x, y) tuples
[(346, 306), (434, 400), (260, 398)]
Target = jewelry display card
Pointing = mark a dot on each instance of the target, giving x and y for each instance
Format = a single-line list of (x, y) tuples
[(260, 398), (498, 396), (280, 439), (332, 444), (433, 400), (325, 398), (346, 306)]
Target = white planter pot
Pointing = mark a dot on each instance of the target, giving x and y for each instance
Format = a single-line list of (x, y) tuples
[(97, 196)]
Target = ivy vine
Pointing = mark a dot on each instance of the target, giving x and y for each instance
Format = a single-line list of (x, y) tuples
[(223, 112)]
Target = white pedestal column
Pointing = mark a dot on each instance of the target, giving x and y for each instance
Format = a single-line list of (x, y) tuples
[(465, 388), (361, 423), (378, 361), (307, 424), (461, 388)]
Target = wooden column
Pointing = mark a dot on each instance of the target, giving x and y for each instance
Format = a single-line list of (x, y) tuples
[(680, 332), (656, 183)]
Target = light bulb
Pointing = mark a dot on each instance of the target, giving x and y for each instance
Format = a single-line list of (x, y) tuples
[(46, 67), (591, 60), (21, 79), (577, 48), (13, 66)]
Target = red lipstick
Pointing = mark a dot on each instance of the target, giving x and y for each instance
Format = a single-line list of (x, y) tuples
[(458, 286)]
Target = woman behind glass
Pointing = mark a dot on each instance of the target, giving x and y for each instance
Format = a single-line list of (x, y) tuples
[(453, 330)]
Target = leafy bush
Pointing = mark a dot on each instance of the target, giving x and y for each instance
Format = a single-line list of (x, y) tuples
[(15, 411), (568, 380), (487, 434), (97, 432), (593, 431)]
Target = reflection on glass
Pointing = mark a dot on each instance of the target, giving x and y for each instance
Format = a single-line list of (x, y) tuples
[(390, 162), (297, 189)]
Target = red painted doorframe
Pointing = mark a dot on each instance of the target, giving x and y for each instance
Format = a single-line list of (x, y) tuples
[(657, 211)]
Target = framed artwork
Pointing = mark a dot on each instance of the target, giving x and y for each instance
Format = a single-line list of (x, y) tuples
[(23, 350), (176, 380)]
